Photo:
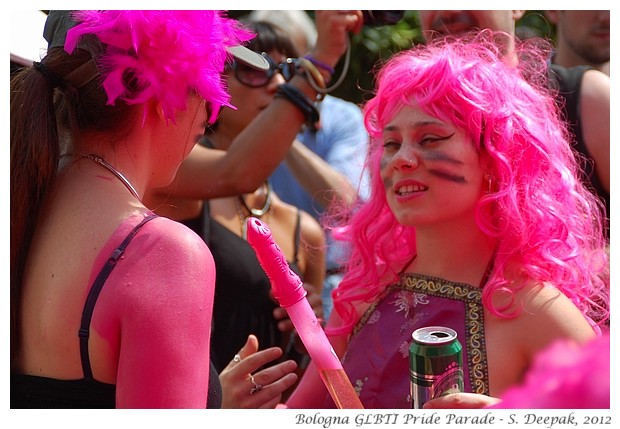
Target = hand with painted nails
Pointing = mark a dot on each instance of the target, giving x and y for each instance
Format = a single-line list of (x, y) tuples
[(245, 386)]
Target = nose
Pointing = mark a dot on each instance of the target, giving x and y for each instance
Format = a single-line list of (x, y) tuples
[(276, 80), (405, 159)]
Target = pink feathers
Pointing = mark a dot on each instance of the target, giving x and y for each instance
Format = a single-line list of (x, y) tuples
[(565, 376), (169, 53)]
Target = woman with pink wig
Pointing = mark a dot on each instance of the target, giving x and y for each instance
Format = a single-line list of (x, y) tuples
[(477, 221), (110, 304)]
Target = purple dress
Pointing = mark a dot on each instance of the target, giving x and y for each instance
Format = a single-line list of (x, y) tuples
[(377, 359)]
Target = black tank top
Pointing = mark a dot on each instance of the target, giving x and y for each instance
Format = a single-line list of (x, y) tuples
[(243, 302), (567, 80)]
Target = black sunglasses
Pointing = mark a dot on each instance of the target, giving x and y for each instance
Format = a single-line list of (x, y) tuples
[(256, 78)]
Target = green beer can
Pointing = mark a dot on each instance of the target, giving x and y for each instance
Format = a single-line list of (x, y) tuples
[(435, 364)]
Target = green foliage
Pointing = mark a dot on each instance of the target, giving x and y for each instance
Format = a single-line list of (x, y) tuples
[(535, 24), (372, 46)]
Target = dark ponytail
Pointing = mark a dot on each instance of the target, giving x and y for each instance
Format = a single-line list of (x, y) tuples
[(51, 105), (35, 152)]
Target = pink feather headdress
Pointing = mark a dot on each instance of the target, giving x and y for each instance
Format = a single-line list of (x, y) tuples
[(170, 52)]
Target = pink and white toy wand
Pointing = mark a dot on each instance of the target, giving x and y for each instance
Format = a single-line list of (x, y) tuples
[(288, 289)]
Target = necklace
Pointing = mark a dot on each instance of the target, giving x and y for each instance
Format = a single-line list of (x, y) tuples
[(99, 160), (258, 213)]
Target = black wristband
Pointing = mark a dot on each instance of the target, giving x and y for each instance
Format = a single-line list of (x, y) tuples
[(299, 99)]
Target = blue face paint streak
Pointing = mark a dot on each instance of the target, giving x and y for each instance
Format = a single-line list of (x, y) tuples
[(442, 157), (447, 176)]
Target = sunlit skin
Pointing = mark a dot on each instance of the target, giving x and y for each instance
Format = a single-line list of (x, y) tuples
[(188, 127), (430, 169)]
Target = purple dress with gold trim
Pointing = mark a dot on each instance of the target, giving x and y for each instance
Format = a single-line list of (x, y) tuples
[(377, 359)]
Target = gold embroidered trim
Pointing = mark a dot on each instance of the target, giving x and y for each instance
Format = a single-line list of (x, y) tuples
[(474, 319)]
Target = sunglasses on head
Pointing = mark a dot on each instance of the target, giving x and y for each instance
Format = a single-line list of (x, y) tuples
[(254, 78)]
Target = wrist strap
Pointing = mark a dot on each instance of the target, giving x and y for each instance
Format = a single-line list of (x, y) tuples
[(300, 100)]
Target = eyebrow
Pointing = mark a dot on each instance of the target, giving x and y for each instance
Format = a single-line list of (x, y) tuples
[(415, 125)]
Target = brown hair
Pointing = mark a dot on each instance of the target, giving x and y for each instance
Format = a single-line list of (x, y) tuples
[(46, 103)]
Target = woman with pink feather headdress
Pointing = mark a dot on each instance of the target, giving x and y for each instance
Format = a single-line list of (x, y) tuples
[(111, 304)]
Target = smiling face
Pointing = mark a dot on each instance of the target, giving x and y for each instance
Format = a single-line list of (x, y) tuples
[(430, 169)]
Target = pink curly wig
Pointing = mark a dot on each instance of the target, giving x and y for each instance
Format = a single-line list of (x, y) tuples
[(169, 53), (544, 219)]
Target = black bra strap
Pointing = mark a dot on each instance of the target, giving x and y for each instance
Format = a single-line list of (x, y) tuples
[(95, 289), (297, 236)]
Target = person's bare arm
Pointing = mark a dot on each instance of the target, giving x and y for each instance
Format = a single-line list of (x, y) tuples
[(257, 151), (320, 180)]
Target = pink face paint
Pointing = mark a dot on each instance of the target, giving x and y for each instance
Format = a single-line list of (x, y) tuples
[(288, 289)]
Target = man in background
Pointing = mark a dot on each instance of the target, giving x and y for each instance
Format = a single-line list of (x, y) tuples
[(582, 38)]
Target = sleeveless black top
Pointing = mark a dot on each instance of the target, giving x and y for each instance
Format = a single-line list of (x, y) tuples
[(243, 302), (567, 80), (29, 391)]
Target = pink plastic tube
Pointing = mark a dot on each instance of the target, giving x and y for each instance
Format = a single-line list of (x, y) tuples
[(288, 289)]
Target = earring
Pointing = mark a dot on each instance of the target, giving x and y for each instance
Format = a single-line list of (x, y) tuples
[(489, 180)]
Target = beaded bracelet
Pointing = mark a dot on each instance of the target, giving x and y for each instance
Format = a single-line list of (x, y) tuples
[(295, 96)]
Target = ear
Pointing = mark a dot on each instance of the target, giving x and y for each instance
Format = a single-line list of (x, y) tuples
[(517, 14)]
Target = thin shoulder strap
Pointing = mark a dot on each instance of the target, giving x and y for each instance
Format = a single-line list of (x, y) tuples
[(205, 221), (297, 236), (415, 255), (95, 289)]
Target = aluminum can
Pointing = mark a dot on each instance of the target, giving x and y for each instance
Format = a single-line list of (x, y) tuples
[(435, 364)]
